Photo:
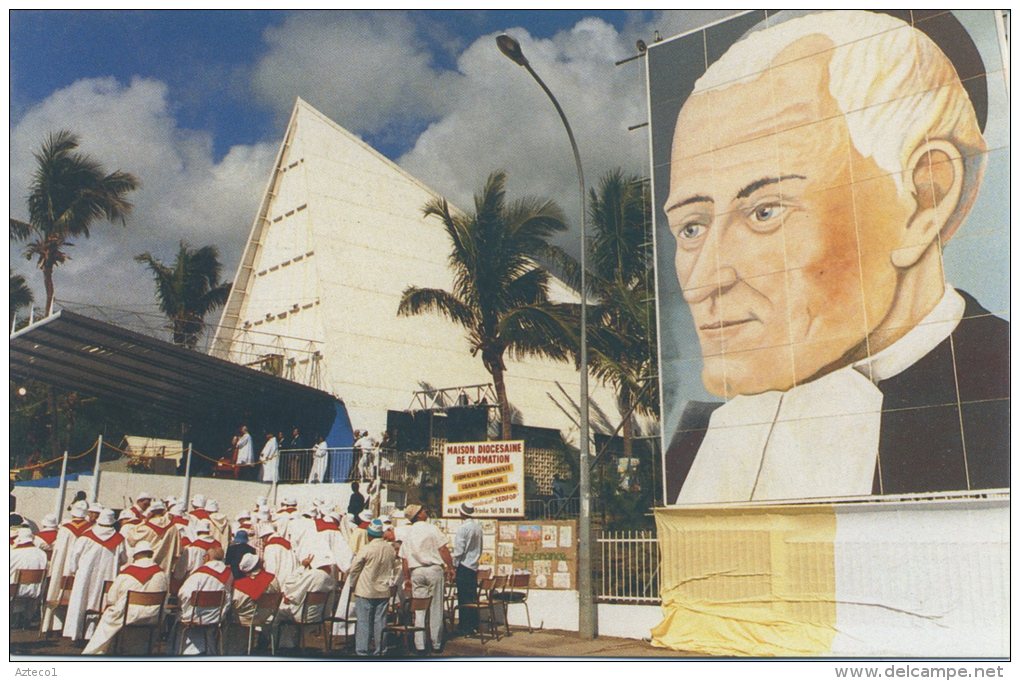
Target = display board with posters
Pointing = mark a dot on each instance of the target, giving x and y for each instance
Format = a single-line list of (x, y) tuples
[(832, 253), (488, 475), (545, 548)]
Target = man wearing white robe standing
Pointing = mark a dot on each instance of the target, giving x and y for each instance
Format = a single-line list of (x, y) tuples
[(141, 574), (270, 460), (66, 535), (214, 575), (95, 558), (245, 454), (320, 460)]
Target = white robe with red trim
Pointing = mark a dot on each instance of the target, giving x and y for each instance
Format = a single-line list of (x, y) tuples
[(162, 533), (142, 575), (27, 557), (61, 549), (278, 558), (95, 558), (212, 576)]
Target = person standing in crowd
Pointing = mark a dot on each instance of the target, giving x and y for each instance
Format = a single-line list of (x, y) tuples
[(142, 574), (320, 459), (467, 551), (237, 550), (426, 565), (356, 504), (270, 460), (66, 536), (374, 572), (95, 558)]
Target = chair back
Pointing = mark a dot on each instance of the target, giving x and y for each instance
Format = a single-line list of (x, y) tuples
[(312, 600), (28, 577), (14, 591), (208, 599), (499, 583), (521, 580), (145, 599), (419, 604), (66, 584)]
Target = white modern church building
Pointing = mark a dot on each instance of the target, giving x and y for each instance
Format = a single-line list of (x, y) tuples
[(338, 236)]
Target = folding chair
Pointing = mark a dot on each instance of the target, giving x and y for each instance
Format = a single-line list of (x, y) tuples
[(516, 593), (484, 604), (346, 618), (266, 608), (406, 629), (27, 578), (304, 620), (204, 600), (142, 599), (63, 599)]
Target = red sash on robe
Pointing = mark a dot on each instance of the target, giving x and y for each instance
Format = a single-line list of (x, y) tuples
[(142, 574), (180, 520), (223, 577), (132, 521), (110, 544), (204, 544), (201, 514), (138, 514), (78, 527), (325, 525), (160, 531), (278, 541), (48, 536), (253, 586)]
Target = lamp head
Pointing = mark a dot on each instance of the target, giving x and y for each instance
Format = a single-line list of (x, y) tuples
[(512, 49)]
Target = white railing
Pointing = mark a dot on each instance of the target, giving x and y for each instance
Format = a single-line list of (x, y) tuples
[(629, 567), (342, 464)]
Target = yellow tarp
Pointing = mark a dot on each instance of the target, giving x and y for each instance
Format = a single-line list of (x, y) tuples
[(747, 582)]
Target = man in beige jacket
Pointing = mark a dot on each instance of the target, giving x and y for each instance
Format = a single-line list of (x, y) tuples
[(374, 572)]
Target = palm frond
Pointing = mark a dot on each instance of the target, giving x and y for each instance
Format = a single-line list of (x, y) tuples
[(415, 301)]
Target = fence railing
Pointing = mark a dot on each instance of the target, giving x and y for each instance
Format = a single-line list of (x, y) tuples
[(629, 567), (341, 464)]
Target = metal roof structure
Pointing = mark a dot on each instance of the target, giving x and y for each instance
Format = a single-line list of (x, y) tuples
[(75, 352)]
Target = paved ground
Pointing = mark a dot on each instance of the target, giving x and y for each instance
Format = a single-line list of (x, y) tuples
[(541, 643)]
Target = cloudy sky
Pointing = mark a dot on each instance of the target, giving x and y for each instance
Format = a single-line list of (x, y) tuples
[(195, 103)]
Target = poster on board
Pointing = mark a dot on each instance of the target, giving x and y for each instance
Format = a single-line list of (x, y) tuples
[(488, 475)]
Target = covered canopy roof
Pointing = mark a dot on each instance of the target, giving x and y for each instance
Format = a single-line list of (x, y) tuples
[(74, 352)]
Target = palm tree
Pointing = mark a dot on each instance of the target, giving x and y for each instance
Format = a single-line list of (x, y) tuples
[(500, 295), (69, 192), (21, 295), (188, 290), (620, 276)]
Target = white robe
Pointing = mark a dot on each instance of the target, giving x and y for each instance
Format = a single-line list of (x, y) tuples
[(61, 549), (220, 528), (270, 461), (295, 589), (92, 564), (27, 557), (198, 643), (245, 452), (300, 532), (282, 520), (192, 557), (165, 541), (320, 459), (113, 617), (279, 561)]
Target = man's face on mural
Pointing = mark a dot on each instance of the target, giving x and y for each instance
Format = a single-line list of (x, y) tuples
[(783, 229)]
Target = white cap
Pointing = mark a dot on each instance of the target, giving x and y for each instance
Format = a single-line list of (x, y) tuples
[(385, 520), (95, 507), (77, 511), (124, 515), (156, 506), (289, 501), (143, 495), (244, 514), (212, 506), (203, 525), (178, 508), (107, 518), (24, 536), (366, 516), (141, 547), (248, 562), (266, 529), (49, 521), (198, 501)]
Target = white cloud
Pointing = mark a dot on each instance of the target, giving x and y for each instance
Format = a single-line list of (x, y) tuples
[(185, 194), (371, 72)]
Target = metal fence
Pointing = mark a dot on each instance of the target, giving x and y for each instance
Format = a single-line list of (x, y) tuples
[(342, 464), (629, 567)]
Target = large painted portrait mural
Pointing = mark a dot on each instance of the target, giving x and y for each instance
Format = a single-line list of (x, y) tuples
[(832, 246)]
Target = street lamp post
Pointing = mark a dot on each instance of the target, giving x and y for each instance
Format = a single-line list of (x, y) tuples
[(587, 612)]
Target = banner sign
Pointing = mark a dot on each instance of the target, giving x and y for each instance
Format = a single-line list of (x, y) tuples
[(487, 475)]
